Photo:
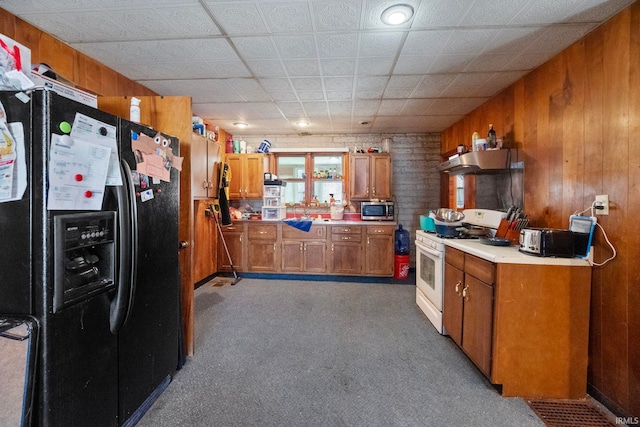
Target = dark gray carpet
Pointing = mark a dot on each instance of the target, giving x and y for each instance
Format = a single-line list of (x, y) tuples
[(299, 353)]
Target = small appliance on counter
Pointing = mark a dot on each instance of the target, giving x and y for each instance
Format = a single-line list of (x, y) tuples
[(382, 210), (547, 242)]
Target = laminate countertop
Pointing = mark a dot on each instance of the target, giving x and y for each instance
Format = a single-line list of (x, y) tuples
[(509, 254)]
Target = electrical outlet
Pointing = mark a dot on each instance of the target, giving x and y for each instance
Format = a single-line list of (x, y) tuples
[(602, 200)]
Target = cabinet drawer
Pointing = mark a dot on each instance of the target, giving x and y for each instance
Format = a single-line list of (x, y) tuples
[(344, 237), (380, 229), (316, 232), (479, 268), (346, 229), (262, 232), (454, 257), (235, 227)]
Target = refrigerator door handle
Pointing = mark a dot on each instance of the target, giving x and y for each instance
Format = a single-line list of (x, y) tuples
[(128, 250)]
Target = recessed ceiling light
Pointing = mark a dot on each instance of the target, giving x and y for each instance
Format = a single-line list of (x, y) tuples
[(240, 125), (302, 123), (397, 14)]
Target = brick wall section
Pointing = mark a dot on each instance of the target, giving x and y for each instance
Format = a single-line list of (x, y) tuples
[(414, 157)]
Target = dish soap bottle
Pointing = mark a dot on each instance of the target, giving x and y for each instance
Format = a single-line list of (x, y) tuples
[(474, 138), (491, 137)]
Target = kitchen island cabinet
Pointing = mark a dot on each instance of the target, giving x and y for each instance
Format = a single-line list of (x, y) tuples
[(529, 331)]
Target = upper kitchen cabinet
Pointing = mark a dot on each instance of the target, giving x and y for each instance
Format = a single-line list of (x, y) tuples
[(204, 155), (247, 176), (370, 176)]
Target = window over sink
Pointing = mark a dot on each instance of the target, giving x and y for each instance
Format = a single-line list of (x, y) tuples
[(312, 177)]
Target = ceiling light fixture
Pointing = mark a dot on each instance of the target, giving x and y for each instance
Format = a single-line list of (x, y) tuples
[(302, 123), (241, 125), (397, 14)]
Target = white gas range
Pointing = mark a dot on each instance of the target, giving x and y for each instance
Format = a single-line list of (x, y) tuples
[(430, 263)]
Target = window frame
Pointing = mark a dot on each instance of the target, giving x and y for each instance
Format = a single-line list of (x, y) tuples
[(309, 180)]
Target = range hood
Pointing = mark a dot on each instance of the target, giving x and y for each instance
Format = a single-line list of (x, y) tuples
[(477, 162)]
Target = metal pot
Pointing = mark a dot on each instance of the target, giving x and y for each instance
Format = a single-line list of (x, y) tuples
[(449, 215)]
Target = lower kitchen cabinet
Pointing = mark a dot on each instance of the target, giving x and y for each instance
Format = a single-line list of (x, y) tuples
[(234, 241), (379, 250), (526, 326), (345, 255), (262, 243), (468, 317), (304, 252)]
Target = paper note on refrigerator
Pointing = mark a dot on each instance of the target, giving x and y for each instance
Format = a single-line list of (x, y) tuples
[(77, 174), (94, 131), (13, 168)]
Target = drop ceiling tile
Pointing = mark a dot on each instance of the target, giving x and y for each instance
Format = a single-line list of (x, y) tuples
[(371, 82), (337, 45), (369, 94), (290, 47), (336, 15), (416, 106), (290, 107), (414, 64), (428, 42), (254, 96), (340, 106), (79, 26), (310, 95), (276, 85), (450, 63), (187, 21), (397, 93), (301, 67), (368, 107), (243, 84), (255, 47), (391, 107), (338, 95), (237, 18), (284, 96), (428, 92), (469, 41), (314, 105), (307, 83), (266, 68), (211, 49), (375, 66), (287, 17), (338, 67), (339, 83), (439, 13), (386, 43), (403, 82), (545, 11), (493, 12), (527, 60), (488, 62)]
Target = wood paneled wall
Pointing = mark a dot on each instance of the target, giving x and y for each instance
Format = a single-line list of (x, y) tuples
[(84, 72), (576, 121)]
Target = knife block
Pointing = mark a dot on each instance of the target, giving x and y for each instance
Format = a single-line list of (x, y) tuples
[(505, 232)]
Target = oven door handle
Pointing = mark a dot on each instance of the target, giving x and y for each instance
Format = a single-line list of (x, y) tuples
[(430, 251)]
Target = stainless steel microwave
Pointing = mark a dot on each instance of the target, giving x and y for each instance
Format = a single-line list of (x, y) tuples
[(377, 211)]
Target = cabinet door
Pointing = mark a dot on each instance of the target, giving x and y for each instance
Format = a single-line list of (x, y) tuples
[(315, 260), (346, 257), (261, 255), (359, 176), (253, 176), (233, 238), (235, 185), (381, 176), (379, 254), (452, 305), (477, 322), (200, 181), (292, 256)]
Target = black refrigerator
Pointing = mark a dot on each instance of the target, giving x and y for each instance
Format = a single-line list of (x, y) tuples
[(102, 283)]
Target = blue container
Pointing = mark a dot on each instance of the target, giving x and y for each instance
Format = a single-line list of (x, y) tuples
[(264, 146), (402, 243)]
